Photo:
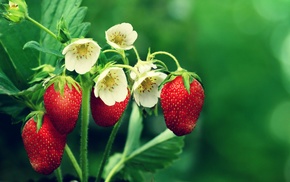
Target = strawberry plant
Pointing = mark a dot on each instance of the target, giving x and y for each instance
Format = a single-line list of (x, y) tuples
[(75, 81)]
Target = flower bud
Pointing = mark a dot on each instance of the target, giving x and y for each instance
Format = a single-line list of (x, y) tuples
[(63, 34), (16, 10)]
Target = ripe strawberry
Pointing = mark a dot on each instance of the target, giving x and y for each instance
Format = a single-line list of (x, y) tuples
[(180, 108), (105, 115), (45, 147), (63, 105)]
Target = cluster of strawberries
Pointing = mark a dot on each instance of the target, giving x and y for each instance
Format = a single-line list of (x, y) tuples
[(62, 102), (45, 146)]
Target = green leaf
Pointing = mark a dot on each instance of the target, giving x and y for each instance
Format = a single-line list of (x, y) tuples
[(113, 161), (72, 14), (18, 63), (15, 62), (10, 106), (6, 86), (33, 93), (158, 153), (35, 45), (131, 174)]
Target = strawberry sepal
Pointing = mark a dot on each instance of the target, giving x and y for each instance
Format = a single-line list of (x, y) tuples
[(37, 117), (60, 82), (188, 78)]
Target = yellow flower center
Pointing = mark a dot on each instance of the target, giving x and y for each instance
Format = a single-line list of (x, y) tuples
[(83, 50), (147, 85), (118, 38), (110, 81)]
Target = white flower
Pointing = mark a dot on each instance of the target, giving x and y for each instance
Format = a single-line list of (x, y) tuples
[(81, 55), (121, 36), (142, 67), (111, 86), (145, 88)]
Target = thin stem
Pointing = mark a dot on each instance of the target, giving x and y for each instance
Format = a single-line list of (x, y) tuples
[(128, 67), (170, 55), (120, 52), (58, 174), (30, 104), (41, 26), (162, 64), (108, 150), (86, 86), (136, 52), (73, 161)]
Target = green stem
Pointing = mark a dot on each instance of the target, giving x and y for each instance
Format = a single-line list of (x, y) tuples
[(74, 161), (115, 169), (41, 26), (120, 52), (129, 68), (58, 174), (112, 50), (85, 110), (30, 104), (170, 55), (108, 150), (136, 52), (162, 64)]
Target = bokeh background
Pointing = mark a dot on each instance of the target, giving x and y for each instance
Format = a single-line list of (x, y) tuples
[(241, 51)]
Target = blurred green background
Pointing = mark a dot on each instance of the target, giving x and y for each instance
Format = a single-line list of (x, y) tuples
[(241, 51)]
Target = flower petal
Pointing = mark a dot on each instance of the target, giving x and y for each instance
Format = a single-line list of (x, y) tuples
[(132, 37), (107, 98), (120, 93), (137, 98), (70, 61), (122, 77), (125, 27), (82, 41), (147, 100), (96, 91)]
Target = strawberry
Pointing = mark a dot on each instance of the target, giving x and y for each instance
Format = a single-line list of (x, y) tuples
[(181, 109), (105, 115), (62, 101), (44, 147)]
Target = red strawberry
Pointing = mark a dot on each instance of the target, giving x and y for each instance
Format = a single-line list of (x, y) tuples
[(105, 115), (63, 108), (45, 147), (181, 109)]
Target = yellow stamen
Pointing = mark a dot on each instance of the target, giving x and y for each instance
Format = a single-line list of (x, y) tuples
[(83, 50), (147, 84), (118, 38), (110, 81)]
